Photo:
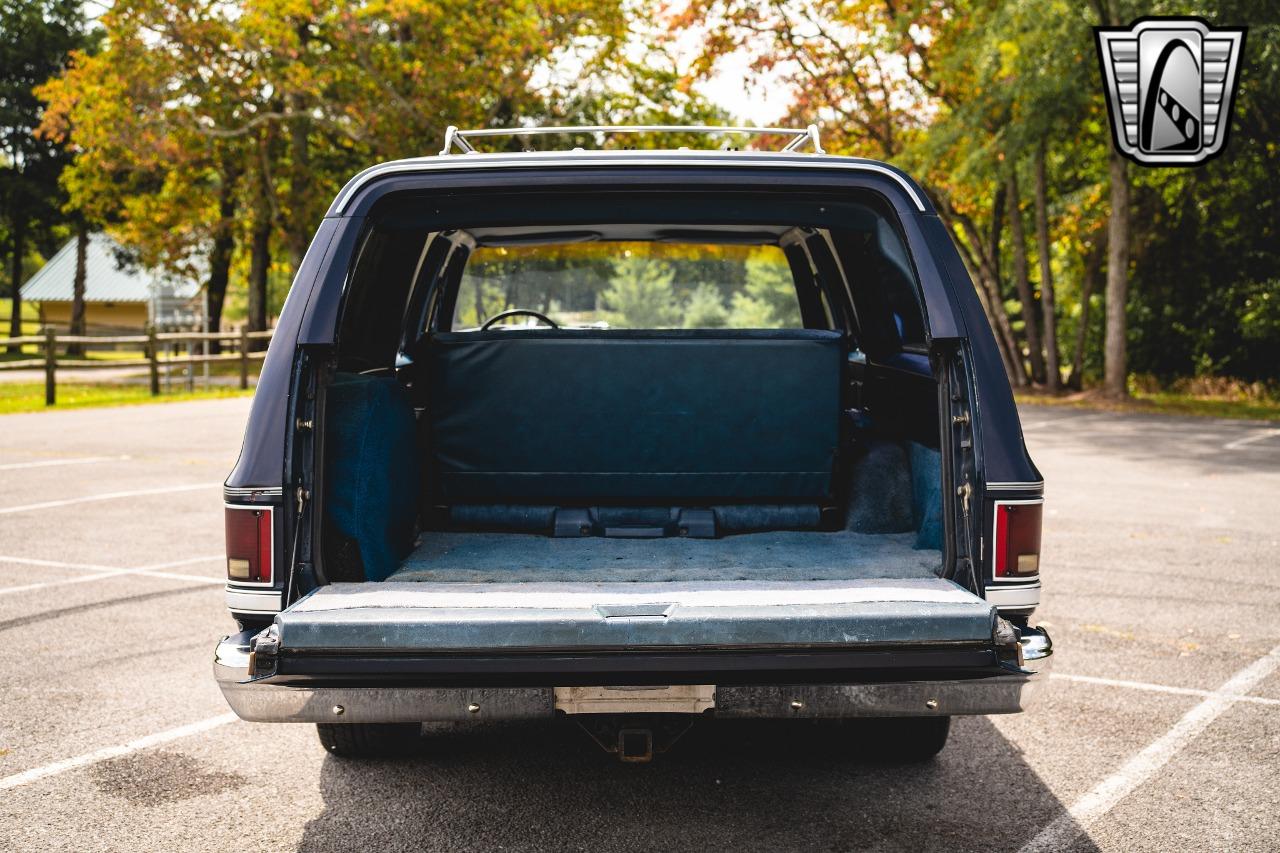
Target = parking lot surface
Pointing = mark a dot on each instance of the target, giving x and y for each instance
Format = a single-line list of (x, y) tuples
[(1159, 730)]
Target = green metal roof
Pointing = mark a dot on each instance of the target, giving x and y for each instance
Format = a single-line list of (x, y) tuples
[(104, 280)]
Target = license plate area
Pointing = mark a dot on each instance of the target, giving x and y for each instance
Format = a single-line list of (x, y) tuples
[(668, 699)]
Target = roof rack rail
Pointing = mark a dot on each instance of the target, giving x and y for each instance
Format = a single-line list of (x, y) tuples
[(459, 138)]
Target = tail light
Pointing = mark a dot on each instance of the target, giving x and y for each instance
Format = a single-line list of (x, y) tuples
[(1017, 539), (249, 540)]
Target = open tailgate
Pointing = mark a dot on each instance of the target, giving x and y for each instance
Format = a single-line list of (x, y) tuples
[(629, 632)]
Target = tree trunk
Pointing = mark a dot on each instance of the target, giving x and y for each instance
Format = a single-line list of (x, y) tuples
[(1092, 266), (1053, 374), (224, 243), (300, 190), (77, 288), (993, 246), (19, 226), (1022, 278), (1115, 355), (301, 186), (990, 284), (259, 269), (1008, 357)]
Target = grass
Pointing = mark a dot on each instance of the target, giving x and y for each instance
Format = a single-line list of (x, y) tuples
[(29, 396), (34, 351), (1167, 402), (30, 326)]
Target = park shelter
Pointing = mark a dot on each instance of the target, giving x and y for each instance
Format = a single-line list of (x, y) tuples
[(119, 297)]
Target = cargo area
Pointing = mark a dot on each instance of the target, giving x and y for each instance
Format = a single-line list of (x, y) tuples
[(634, 404), (768, 556), (483, 488)]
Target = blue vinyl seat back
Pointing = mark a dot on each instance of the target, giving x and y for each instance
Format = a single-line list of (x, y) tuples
[(669, 417), (372, 476)]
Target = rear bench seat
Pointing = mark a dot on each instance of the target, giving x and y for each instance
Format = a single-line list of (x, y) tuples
[(623, 417), (628, 429)]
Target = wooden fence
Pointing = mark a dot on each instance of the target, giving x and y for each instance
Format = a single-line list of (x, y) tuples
[(154, 345)]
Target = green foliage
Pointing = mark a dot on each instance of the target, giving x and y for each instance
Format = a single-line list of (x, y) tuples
[(37, 38), (705, 309), (196, 125), (641, 295), (769, 299)]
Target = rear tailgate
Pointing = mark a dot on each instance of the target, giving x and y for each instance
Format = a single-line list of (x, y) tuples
[(630, 633)]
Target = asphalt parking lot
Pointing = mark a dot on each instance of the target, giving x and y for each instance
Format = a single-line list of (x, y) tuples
[(1159, 730)]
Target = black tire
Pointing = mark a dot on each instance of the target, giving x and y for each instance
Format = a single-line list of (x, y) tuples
[(901, 740), (369, 740)]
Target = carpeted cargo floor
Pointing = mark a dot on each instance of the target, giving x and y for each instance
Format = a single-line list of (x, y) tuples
[(775, 555)]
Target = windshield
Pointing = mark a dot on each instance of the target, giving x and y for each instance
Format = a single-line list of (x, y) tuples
[(630, 285)]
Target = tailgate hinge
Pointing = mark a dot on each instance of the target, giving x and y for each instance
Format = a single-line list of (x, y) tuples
[(264, 647)]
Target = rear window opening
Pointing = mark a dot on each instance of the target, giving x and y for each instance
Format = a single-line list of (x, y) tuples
[(584, 399), (629, 285)]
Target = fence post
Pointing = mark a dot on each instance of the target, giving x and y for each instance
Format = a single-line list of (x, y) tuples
[(50, 366), (153, 355), (244, 357)]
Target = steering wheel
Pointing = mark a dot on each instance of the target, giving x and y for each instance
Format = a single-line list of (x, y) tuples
[(518, 312)]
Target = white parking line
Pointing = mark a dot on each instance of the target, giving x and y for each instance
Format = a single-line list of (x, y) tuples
[(102, 572), (1250, 439), (1140, 768), (1158, 688), (48, 463), (163, 490), (26, 777)]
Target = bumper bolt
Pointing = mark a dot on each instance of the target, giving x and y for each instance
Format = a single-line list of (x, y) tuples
[(338, 710), (796, 704), (931, 704), (473, 708)]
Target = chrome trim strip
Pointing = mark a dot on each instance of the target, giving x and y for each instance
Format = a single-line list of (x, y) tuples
[(247, 491), (610, 158), (1020, 596), (1038, 484), (252, 600)]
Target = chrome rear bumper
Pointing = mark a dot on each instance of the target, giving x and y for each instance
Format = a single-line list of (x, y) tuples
[(273, 703)]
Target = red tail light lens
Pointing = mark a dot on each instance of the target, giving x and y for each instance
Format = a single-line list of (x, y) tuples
[(1017, 552), (248, 544)]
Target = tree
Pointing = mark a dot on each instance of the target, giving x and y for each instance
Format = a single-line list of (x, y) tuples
[(1116, 362), (768, 300), (705, 309), (840, 58), (1022, 278), (143, 167), (36, 39), (77, 286), (192, 115), (1044, 249), (641, 295)]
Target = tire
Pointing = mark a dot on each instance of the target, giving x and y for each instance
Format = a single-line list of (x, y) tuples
[(901, 740), (368, 740)]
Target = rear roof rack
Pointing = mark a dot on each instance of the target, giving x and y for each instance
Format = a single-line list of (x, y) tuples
[(453, 137)]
